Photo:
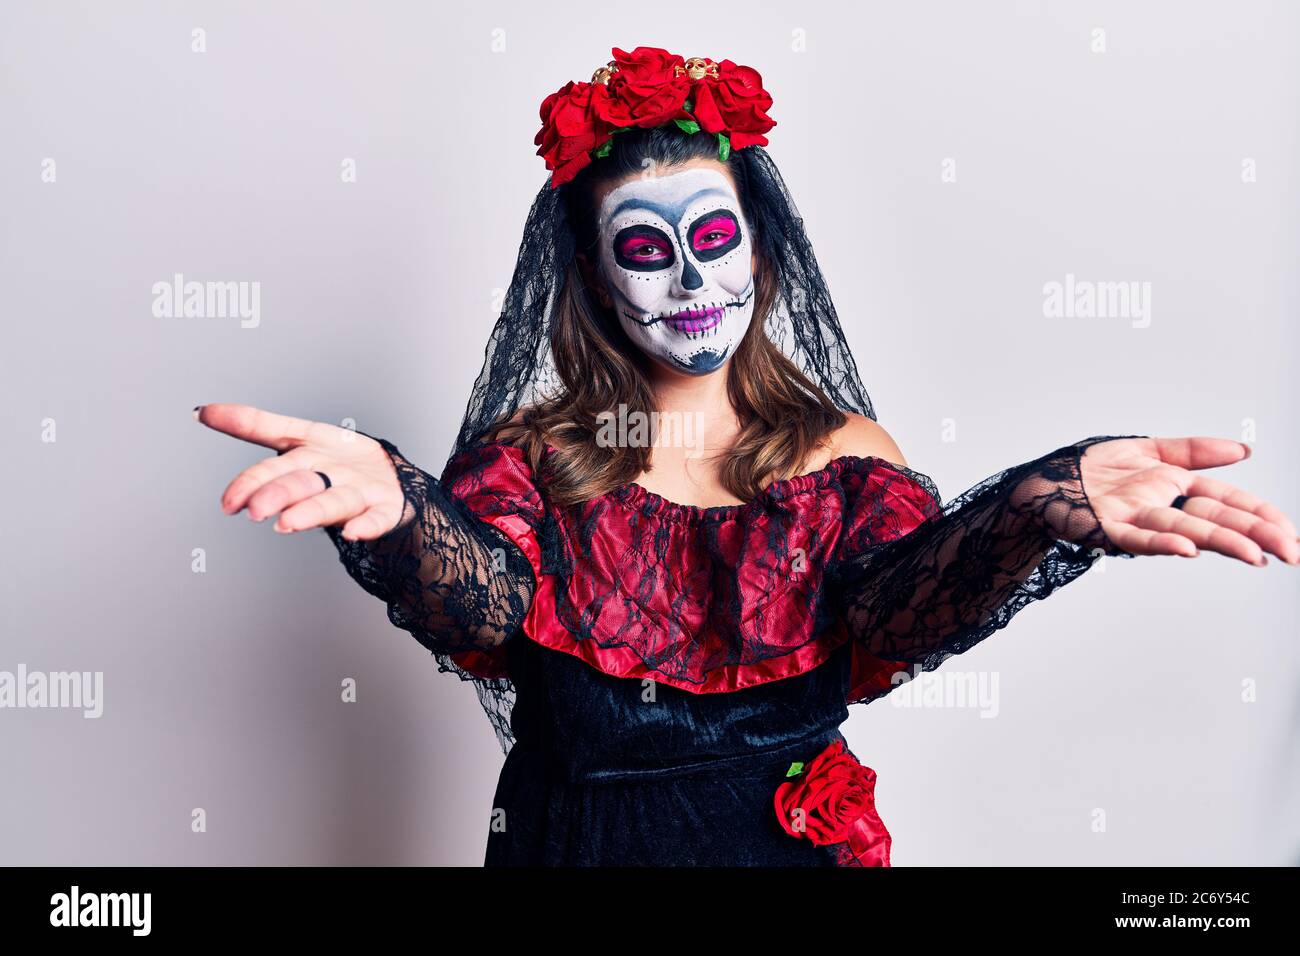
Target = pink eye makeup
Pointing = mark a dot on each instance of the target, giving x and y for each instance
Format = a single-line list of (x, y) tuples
[(643, 248), (714, 234)]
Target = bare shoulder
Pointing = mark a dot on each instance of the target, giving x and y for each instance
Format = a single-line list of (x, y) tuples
[(864, 438)]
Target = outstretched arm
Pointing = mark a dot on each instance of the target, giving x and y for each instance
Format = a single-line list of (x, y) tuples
[(962, 570), (453, 581)]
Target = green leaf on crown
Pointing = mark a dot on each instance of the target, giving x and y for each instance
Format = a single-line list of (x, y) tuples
[(724, 147), (687, 126)]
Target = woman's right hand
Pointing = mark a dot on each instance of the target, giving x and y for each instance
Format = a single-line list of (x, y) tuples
[(364, 496)]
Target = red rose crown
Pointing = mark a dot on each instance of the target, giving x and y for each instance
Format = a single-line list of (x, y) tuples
[(651, 87)]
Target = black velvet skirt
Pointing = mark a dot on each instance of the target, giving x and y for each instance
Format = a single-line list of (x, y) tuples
[(609, 771)]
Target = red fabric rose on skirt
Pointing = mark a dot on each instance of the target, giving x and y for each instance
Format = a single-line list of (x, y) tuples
[(832, 802)]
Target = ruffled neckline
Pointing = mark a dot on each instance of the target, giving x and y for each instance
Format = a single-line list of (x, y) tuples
[(649, 502), (638, 497)]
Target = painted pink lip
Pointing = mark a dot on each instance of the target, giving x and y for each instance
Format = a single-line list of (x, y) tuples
[(696, 320)]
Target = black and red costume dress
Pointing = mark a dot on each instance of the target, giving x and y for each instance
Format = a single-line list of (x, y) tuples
[(668, 681)]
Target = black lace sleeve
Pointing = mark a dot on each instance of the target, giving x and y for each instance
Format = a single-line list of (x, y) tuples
[(457, 583), (966, 569)]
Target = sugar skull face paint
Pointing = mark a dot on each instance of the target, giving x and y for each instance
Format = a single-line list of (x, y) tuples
[(675, 255)]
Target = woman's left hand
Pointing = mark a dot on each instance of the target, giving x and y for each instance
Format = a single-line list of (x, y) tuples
[(1131, 484)]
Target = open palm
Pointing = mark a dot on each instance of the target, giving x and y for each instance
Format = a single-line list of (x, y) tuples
[(1131, 484)]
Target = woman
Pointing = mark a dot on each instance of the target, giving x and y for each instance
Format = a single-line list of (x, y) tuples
[(667, 633)]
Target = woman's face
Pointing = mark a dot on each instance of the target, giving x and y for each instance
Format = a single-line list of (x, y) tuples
[(676, 259)]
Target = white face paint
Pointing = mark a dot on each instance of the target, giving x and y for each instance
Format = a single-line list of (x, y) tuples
[(675, 254)]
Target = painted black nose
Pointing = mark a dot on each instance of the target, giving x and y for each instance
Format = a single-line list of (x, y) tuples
[(690, 276)]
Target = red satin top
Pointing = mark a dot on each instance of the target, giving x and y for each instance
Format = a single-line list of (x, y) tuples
[(707, 600)]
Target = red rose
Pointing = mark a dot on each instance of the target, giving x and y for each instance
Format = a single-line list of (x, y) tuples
[(647, 67), (833, 801), (645, 90), (734, 103), (571, 129)]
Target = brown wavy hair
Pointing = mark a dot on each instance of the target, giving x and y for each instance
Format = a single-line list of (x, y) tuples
[(782, 414)]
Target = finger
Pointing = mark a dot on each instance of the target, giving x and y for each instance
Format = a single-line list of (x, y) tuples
[(1206, 535), (259, 426), (373, 523), (248, 481), (1268, 535), (285, 491), (1141, 541), (1201, 451), (1208, 487), (331, 507)]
